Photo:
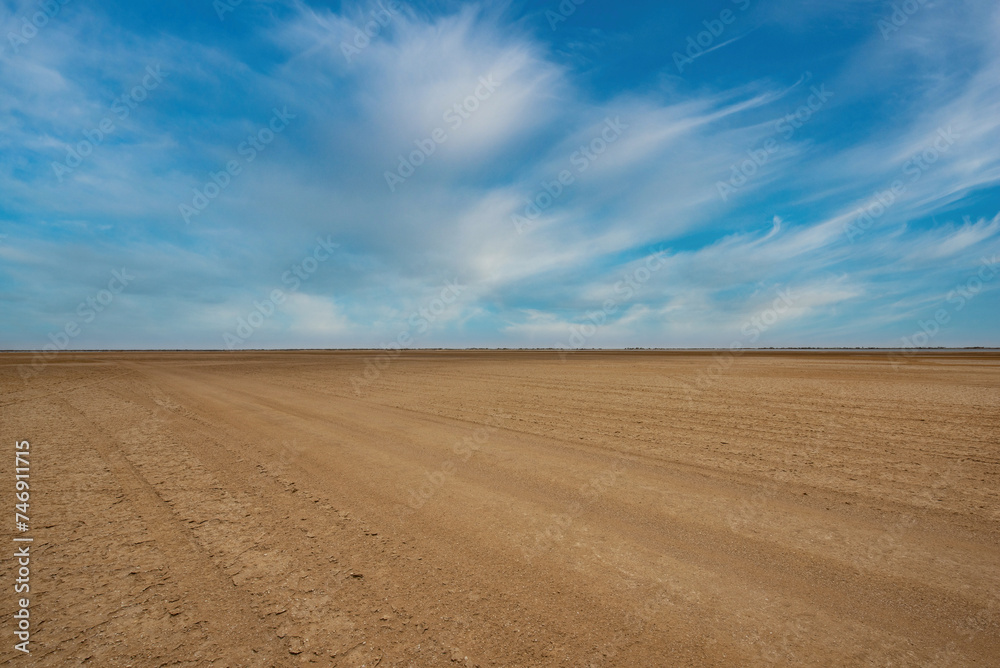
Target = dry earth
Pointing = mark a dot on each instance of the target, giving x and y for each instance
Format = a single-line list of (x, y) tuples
[(508, 509)]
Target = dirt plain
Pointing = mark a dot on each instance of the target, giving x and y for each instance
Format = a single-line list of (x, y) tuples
[(481, 508)]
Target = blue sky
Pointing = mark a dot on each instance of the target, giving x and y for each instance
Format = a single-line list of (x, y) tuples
[(603, 174)]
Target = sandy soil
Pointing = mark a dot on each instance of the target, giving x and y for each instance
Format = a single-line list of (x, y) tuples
[(508, 509)]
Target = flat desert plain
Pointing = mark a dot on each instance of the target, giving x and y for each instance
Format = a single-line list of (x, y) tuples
[(480, 508)]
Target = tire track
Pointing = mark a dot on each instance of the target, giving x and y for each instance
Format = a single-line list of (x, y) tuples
[(208, 594)]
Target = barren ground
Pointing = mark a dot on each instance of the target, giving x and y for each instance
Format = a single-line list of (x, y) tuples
[(508, 509)]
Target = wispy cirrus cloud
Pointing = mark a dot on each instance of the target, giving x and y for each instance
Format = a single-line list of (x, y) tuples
[(653, 187)]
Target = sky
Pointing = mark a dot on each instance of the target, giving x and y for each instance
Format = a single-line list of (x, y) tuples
[(576, 174)]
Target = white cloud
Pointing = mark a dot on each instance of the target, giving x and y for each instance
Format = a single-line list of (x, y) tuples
[(312, 315)]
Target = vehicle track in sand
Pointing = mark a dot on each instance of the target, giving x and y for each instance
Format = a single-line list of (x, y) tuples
[(510, 509)]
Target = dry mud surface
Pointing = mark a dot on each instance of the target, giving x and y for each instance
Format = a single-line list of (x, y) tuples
[(508, 509)]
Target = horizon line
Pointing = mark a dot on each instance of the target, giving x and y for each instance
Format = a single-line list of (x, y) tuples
[(484, 348)]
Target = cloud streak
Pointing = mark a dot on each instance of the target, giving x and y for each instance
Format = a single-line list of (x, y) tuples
[(360, 113)]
